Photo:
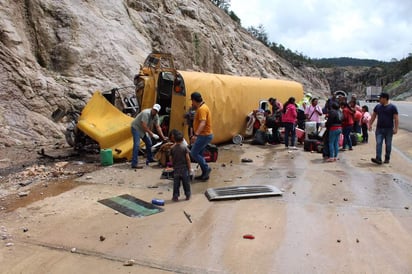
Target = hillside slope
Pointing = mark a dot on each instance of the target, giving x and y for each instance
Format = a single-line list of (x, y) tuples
[(57, 53)]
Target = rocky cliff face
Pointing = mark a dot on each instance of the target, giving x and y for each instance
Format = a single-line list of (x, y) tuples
[(57, 53)]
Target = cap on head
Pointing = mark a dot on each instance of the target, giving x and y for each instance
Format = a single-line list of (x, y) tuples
[(196, 96), (157, 107)]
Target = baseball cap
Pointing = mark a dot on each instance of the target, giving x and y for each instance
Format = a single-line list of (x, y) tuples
[(157, 107)]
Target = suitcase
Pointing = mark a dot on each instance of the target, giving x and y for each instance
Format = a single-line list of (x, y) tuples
[(210, 153), (300, 134), (311, 145)]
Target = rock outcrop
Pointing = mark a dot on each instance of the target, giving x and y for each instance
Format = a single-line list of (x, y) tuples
[(57, 53)]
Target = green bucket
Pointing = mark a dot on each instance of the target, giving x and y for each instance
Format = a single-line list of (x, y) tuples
[(106, 157)]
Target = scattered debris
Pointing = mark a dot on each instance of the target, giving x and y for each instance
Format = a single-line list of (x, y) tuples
[(246, 160), (248, 236), (406, 207), (290, 176), (345, 199), (357, 240), (25, 183), (338, 240), (188, 217), (129, 262), (25, 229), (9, 244), (73, 250), (23, 193), (102, 238)]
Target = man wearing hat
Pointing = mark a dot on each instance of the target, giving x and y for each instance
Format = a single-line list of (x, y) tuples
[(388, 123), (202, 134), (142, 127)]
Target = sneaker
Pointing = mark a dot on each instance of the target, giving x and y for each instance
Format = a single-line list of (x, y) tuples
[(386, 162), (293, 148), (205, 176), (376, 161)]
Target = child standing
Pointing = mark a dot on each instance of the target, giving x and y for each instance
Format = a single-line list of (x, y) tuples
[(366, 117), (180, 160)]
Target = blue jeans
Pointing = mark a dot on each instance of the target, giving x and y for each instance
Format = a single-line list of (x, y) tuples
[(347, 142), (334, 142), (290, 129), (383, 134), (136, 145), (197, 151), (181, 175)]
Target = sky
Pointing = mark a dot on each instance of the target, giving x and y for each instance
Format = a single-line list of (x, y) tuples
[(366, 29)]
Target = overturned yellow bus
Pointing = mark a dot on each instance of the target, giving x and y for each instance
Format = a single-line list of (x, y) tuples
[(230, 99)]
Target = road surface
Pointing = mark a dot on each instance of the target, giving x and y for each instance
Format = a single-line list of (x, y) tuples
[(350, 216)]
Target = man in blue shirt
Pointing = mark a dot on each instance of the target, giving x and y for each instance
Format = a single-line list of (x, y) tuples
[(388, 122)]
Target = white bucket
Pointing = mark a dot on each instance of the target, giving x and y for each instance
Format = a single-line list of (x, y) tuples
[(237, 139), (310, 128)]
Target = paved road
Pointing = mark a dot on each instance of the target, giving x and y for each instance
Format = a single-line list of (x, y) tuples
[(350, 216)]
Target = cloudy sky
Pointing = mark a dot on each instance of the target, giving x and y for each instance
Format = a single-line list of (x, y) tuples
[(371, 29)]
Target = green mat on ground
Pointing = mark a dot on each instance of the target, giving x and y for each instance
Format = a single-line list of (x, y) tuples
[(131, 206)]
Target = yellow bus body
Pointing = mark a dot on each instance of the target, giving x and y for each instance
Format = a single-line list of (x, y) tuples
[(230, 99)]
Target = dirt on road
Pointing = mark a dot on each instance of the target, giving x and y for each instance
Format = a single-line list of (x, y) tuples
[(347, 216)]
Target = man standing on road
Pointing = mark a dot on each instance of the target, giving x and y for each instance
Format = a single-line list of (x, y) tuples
[(202, 134), (142, 128), (388, 122)]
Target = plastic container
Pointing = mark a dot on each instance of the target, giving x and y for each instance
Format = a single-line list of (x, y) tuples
[(310, 128), (159, 202), (106, 157)]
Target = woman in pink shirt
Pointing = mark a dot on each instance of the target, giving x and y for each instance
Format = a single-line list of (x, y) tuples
[(289, 118), (313, 112)]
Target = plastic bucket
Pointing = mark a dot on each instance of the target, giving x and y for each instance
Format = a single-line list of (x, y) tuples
[(237, 139), (106, 157)]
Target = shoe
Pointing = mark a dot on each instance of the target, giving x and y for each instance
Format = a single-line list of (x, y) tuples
[(150, 161), (175, 199), (137, 167), (205, 176), (199, 177), (376, 161), (386, 162), (187, 198), (293, 148), (350, 148), (329, 160)]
